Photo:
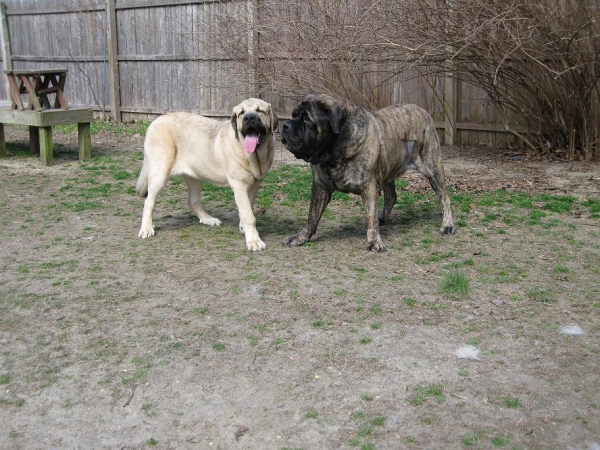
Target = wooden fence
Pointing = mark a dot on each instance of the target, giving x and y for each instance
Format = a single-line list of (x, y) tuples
[(140, 58)]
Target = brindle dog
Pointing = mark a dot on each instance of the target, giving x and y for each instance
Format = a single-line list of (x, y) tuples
[(357, 151)]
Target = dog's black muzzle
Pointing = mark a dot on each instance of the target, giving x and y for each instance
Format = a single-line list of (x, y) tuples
[(252, 125)]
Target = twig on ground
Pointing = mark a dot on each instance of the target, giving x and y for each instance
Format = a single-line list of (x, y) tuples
[(131, 397)]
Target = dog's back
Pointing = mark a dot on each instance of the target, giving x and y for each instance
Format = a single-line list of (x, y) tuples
[(407, 123), (169, 138)]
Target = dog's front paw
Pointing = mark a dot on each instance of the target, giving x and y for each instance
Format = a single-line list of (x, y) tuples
[(376, 246), (146, 232), (256, 245), (211, 222)]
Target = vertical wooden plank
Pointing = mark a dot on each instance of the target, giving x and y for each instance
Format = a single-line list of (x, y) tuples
[(34, 140), (85, 141), (253, 72), (6, 55), (113, 61), (3, 151), (45, 141), (449, 109)]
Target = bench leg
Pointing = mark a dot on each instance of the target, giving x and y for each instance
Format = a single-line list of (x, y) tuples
[(3, 151), (46, 145), (34, 140), (85, 141)]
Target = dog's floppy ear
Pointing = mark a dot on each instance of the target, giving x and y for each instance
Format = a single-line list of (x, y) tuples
[(274, 120), (234, 115), (337, 117)]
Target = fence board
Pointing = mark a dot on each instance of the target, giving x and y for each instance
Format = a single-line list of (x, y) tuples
[(166, 59)]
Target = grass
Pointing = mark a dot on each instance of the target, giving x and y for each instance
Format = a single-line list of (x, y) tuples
[(456, 284), (435, 391), (511, 402), (312, 414), (340, 337)]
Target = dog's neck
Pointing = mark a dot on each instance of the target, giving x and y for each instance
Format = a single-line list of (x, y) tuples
[(261, 159)]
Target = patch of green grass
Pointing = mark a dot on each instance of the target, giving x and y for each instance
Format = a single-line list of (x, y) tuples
[(500, 441), (560, 269), (122, 175), (377, 421), (375, 309), (435, 391), (322, 324), (511, 402), (219, 347), (410, 301), (594, 207), (455, 284), (312, 414), (4, 379), (364, 431), (111, 126), (202, 311), (557, 204), (365, 340), (290, 184), (541, 294), (470, 441), (147, 408)]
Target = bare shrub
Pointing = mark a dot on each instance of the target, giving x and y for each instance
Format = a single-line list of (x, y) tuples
[(539, 62)]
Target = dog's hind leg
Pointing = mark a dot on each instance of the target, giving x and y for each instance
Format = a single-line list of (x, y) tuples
[(435, 175), (195, 199), (155, 183), (389, 200)]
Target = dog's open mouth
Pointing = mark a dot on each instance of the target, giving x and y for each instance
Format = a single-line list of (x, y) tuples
[(252, 140)]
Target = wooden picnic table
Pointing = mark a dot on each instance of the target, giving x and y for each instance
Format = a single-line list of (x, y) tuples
[(41, 114), (37, 84)]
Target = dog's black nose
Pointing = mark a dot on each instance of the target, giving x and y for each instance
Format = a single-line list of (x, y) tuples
[(250, 116)]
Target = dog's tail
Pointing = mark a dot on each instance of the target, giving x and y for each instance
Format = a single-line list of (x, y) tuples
[(141, 188)]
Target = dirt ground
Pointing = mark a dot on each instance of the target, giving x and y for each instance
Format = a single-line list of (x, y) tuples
[(188, 341)]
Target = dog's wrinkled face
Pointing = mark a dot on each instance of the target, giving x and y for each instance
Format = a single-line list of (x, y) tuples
[(253, 121), (315, 126)]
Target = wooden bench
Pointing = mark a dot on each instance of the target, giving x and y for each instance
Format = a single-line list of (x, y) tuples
[(41, 114)]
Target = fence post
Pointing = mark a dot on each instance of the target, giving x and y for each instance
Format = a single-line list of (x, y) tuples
[(251, 8), (113, 61), (449, 84), (6, 55), (449, 109)]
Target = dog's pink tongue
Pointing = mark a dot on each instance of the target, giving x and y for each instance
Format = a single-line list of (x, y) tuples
[(250, 143)]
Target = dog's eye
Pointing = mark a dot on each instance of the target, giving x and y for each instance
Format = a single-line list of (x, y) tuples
[(306, 120)]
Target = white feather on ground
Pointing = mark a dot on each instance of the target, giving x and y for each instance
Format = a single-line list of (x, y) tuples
[(590, 446), (572, 330), (468, 352)]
